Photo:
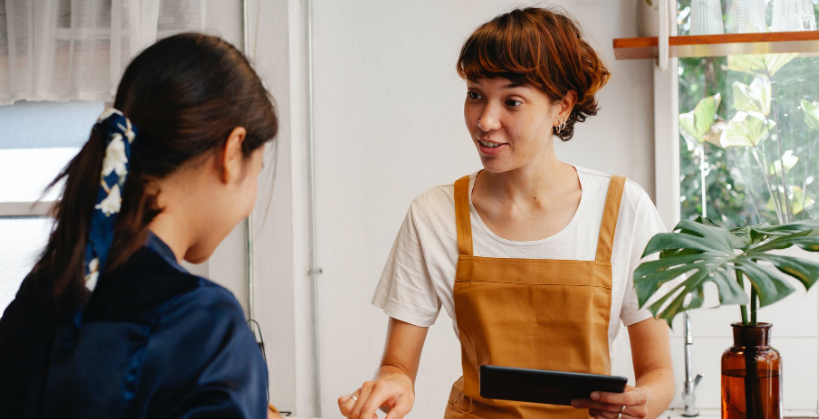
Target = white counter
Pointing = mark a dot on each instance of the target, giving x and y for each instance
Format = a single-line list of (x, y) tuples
[(711, 413), (705, 414)]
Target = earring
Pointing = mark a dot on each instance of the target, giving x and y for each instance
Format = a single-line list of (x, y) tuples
[(560, 127)]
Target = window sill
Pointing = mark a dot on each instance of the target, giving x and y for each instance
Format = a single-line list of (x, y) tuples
[(25, 209), (719, 45)]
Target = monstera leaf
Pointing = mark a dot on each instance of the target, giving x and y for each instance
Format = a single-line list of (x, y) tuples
[(746, 129), (753, 98), (765, 64), (696, 124), (811, 110), (710, 253)]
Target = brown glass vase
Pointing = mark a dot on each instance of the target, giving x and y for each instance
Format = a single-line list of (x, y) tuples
[(751, 375)]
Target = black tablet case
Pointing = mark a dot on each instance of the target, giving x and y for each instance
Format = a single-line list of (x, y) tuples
[(543, 386)]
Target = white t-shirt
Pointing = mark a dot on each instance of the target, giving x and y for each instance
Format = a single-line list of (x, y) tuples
[(419, 276)]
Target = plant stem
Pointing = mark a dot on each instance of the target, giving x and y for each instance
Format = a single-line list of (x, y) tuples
[(750, 187), (703, 165), (742, 309), (779, 139), (774, 198), (753, 405), (807, 174), (754, 300)]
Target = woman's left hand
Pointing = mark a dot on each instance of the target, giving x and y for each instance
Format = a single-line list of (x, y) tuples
[(629, 404)]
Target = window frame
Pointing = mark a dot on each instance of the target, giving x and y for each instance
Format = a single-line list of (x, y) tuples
[(667, 158), (12, 209)]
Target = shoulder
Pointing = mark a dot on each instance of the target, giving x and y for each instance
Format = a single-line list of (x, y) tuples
[(634, 197), (205, 301), (433, 205), (217, 364)]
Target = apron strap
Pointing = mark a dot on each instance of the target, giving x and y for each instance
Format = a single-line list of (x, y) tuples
[(462, 218), (610, 214)]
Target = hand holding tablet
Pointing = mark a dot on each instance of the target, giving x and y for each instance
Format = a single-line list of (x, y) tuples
[(543, 386)]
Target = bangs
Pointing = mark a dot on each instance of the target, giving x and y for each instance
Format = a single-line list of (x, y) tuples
[(540, 48), (510, 47)]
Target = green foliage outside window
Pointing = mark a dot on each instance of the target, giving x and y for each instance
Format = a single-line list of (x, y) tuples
[(749, 128)]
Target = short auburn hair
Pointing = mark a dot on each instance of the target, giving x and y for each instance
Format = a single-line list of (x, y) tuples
[(541, 48)]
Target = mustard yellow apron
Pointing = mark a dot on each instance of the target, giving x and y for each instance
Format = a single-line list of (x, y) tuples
[(530, 313)]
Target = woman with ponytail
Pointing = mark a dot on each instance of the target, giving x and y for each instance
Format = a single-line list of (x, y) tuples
[(108, 323)]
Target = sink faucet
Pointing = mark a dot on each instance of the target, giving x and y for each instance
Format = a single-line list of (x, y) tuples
[(691, 383)]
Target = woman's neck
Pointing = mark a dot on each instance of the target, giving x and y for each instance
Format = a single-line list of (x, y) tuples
[(532, 183), (173, 231)]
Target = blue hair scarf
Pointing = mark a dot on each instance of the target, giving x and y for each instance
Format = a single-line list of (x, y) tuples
[(119, 134)]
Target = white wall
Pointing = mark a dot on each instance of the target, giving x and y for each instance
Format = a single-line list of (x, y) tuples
[(389, 125)]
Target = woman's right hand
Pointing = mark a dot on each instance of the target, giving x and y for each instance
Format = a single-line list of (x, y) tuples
[(394, 388), (393, 393)]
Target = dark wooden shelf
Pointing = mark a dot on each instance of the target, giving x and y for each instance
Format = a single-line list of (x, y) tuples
[(719, 45)]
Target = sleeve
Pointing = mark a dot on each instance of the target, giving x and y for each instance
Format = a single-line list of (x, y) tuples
[(647, 223), (405, 291), (202, 361)]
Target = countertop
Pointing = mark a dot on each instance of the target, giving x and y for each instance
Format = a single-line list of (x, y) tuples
[(705, 414), (713, 413)]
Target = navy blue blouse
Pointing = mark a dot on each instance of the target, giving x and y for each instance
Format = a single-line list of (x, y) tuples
[(153, 341)]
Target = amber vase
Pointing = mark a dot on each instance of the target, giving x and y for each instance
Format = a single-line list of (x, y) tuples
[(751, 375)]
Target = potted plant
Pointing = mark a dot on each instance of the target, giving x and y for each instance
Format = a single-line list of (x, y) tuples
[(747, 269)]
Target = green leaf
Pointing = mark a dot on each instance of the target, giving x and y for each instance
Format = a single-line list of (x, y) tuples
[(688, 129), (800, 201), (795, 198), (800, 226), (765, 64), (746, 129), (811, 110), (695, 124), (753, 98), (788, 159), (769, 286), (710, 253), (805, 240), (804, 270)]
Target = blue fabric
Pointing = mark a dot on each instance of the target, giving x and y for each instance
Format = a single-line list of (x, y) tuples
[(119, 134), (154, 342)]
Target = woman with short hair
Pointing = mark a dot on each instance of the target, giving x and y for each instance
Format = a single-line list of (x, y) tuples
[(531, 257)]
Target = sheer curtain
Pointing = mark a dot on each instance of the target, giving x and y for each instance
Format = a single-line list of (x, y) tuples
[(58, 50)]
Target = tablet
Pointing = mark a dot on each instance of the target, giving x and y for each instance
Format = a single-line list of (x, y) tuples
[(543, 386)]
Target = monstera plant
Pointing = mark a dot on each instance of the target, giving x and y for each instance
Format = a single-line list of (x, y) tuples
[(748, 271), (729, 258)]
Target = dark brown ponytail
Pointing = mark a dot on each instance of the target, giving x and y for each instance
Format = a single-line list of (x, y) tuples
[(185, 94)]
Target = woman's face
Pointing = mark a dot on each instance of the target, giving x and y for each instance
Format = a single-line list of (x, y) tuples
[(510, 124)]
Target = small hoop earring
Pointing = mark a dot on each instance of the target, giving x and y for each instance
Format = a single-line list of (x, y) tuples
[(560, 127)]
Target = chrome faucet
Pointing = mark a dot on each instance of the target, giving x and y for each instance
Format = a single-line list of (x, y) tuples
[(691, 383)]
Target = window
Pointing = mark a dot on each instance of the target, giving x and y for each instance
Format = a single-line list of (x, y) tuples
[(749, 153), (21, 242), (36, 141), (749, 129)]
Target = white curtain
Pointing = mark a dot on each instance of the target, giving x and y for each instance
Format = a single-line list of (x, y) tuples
[(58, 50)]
